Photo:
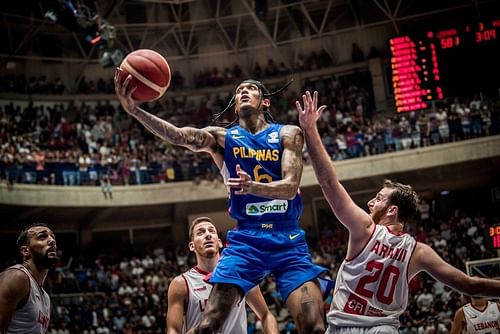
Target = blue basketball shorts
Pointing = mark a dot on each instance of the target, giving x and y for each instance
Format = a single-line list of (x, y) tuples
[(254, 253)]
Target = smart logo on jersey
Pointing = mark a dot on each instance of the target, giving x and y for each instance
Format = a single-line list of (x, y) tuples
[(259, 209), (273, 137)]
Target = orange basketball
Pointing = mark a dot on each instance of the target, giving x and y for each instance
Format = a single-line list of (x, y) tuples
[(150, 72)]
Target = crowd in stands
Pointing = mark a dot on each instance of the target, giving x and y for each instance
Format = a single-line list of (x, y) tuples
[(77, 144), (213, 77)]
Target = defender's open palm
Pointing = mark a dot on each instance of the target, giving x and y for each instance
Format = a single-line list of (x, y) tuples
[(310, 114), (124, 92)]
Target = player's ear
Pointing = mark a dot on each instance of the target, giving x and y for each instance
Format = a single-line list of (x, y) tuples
[(266, 102), (191, 246), (220, 243), (393, 210), (25, 251)]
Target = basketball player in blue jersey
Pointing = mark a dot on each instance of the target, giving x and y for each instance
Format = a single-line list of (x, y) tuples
[(24, 304), (261, 163), (371, 289)]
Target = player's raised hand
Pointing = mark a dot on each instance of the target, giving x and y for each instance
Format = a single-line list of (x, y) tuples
[(309, 115), (243, 182), (124, 92)]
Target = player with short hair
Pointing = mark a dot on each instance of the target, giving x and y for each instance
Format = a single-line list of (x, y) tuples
[(480, 316), (371, 290), (24, 304), (188, 293), (261, 163)]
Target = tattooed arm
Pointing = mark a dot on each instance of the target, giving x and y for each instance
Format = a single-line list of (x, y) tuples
[(209, 139), (291, 170)]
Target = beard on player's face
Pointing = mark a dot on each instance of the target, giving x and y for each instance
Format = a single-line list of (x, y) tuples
[(379, 213), (44, 259)]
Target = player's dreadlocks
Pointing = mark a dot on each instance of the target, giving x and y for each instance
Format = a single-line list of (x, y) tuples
[(264, 93)]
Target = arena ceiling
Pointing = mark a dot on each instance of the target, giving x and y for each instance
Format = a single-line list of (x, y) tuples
[(182, 25)]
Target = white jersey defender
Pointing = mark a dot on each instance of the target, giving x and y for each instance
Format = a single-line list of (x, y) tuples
[(486, 321), (197, 295), (34, 316), (372, 288)]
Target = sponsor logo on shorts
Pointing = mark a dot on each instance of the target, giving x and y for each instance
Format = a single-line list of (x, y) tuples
[(293, 236), (259, 209)]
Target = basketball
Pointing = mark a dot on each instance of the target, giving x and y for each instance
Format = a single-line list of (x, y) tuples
[(150, 72)]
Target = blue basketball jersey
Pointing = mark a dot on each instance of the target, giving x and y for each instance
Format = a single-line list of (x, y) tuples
[(259, 155)]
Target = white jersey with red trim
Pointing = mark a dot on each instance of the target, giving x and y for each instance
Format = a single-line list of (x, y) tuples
[(34, 316), (486, 321), (197, 296), (372, 288)]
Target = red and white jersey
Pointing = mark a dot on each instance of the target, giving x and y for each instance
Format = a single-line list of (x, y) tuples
[(486, 321), (34, 316), (372, 288), (197, 296)]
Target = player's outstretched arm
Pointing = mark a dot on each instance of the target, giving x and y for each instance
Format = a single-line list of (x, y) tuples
[(458, 322), (175, 309), (291, 171), (256, 301), (197, 140), (426, 259), (14, 290), (350, 215)]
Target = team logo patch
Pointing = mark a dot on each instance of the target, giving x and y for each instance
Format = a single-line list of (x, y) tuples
[(234, 132), (273, 137), (259, 209)]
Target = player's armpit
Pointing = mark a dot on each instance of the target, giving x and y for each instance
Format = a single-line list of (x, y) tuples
[(458, 322), (176, 305), (14, 289)]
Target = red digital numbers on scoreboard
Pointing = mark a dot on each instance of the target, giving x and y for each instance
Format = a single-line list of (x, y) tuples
[(486, 35), (414, 73), (494, 236)]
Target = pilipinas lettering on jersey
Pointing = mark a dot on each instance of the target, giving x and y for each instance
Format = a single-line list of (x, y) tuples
[(197, 295), (486, 321), (259, 155), (372, 288)]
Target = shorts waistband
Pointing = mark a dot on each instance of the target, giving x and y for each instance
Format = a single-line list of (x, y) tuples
[(277, 225)]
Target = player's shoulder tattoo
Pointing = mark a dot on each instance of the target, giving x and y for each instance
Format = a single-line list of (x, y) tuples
[(292, 134)]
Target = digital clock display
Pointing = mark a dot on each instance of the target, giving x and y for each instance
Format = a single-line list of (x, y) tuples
[(440, 63), (493, 234)]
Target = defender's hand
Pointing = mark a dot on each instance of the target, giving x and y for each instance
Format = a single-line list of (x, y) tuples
[(310, 114), (124, 92)]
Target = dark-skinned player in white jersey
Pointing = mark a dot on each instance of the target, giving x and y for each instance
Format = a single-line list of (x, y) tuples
[(24, 304)]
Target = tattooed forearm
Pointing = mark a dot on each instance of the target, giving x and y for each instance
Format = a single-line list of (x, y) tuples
[(192, 138), (291, 168)]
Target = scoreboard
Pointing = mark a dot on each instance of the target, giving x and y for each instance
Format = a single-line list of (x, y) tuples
[(493, 237), (426, 66)]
